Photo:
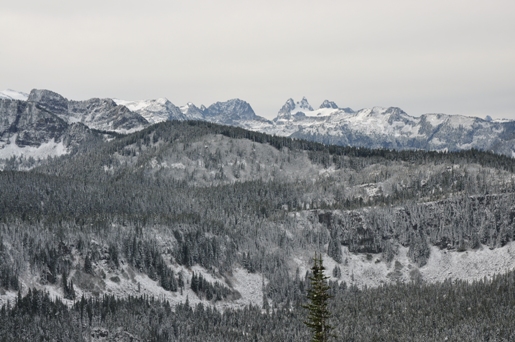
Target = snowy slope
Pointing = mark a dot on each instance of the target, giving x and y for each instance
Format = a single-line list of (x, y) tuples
[(13, 95), (371, 271), (101, 114), (46, 149), (375, 127), (154, 111), (391, 128), (192, 112), (234, 112), (361, 270)]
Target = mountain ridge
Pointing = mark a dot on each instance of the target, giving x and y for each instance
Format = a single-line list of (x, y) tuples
[(375, 127)]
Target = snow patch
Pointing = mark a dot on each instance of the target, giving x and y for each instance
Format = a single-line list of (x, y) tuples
[(13, 95), (249, 285), (179, 166), (370, 270), (468, 265), (48, 149)]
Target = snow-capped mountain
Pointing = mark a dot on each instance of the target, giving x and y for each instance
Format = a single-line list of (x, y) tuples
[(154, 111), (391, 128), (101, 114), (192, 112), (299, 111), (43, 124), (13, 95), (235, 112), (29, 130), (25, 124), (374, 127)]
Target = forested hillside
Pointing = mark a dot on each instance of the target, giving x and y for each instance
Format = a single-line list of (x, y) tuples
[(223, 217), (449, 311)]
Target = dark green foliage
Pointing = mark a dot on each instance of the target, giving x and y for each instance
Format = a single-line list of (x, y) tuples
[(106, 207), (337, 272), (206, 290), (452, 311), (113, 255), (146, 257), (318, 302), (88, 266), (68, 289), (334, 250), (8, 276)]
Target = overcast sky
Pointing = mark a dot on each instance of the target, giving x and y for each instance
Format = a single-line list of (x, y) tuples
[(439, 56)]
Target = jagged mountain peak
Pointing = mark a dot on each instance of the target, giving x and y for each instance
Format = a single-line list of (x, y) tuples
[(234, 109), (394, 111), (234, 112), (328, 104), (304, 104), (188, 106), (287, 107), (292, 108), (103, 114), (192, 112), (162, 100), (388, 127)]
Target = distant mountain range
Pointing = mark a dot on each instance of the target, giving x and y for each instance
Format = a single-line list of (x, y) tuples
[(44, 117)]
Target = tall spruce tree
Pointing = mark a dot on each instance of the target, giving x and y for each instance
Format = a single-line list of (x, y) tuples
[(318, 297)]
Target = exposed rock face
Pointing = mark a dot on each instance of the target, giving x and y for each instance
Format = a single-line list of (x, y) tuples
[(29, 130), (287, 107), (392, 128), (192, 112), (230, 111), (328, 104), (304, 104), (28, 123), (101, 114), (51, 101), (233, 112), (376, 127)]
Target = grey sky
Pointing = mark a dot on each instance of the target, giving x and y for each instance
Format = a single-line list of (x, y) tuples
[(449, 56)]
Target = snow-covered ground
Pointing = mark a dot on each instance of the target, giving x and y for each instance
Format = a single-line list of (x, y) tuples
[(13, 95), (356, 269), (125, 282), (154, 111), (371, 271), (45, 150)]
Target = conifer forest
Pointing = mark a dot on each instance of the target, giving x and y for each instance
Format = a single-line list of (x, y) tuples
[(192, 231)]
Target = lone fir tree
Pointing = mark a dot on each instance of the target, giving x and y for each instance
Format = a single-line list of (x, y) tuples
[(318, 297)]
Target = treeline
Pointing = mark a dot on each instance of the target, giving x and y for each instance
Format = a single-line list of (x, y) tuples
[(323, 153)]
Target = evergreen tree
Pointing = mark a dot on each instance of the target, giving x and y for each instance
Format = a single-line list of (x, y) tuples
[(88, 266), (318, 297)]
